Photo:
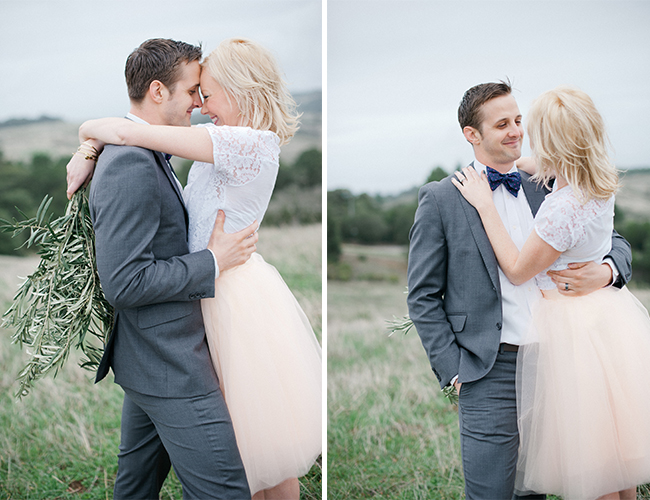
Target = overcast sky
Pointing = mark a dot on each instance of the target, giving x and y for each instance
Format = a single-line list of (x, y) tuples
[(398, 69), (65, 58)]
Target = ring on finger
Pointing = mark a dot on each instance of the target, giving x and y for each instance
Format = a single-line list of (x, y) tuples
[(566, 287)]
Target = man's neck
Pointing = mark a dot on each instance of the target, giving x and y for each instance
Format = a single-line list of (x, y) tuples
[(502, 168), (147, 115)]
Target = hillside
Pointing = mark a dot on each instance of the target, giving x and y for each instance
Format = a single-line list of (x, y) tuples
[(19, 139), (633, 198)]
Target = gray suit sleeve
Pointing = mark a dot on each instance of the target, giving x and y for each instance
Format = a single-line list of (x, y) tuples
[(621, 255), (126, 204), (427, 282)]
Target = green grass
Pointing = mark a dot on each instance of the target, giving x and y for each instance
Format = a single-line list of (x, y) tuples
[(391, 434), (61, 441)]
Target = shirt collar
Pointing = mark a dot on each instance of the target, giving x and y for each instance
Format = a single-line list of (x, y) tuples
[(136, 119), (479, 167)]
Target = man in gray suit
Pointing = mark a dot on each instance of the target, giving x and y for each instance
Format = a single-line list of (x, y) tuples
[(470, 318), (173, 409)]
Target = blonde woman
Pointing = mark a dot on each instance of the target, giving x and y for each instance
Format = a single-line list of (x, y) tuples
[(583, 378), (264, 351)]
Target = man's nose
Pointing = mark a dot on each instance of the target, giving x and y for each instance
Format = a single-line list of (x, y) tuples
[(515, 130)]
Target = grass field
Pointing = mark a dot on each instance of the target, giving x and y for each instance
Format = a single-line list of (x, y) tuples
[(61, 441), (391, 434)]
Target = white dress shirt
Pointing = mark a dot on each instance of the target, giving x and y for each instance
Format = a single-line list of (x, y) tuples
[(516, 300)]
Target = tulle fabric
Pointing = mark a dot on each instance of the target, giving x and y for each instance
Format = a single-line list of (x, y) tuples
[(269, 366), (583, 396)]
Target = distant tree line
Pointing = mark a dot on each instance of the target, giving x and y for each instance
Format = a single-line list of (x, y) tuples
[(373, 220), (296, 200), (18, 122), (370, 220)]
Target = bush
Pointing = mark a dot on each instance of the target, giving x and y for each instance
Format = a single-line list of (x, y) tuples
[(295, 205), (339, 271), (24, 186), (638, 236), (372, 220), (333, 239)]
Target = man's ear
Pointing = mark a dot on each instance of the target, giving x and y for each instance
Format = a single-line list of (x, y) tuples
[(472, 135), (157, 91)]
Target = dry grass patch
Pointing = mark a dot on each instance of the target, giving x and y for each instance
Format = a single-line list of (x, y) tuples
[(390, 432)]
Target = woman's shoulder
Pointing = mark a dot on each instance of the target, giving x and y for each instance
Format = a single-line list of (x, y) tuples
[(563, 213), (244, 140), (240, 131), (566, 199)]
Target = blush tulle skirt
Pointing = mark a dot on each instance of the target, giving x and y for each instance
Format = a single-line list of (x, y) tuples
[(269, 366), (583, 396)]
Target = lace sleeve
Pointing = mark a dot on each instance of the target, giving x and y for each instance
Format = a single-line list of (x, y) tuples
[(240, 152), (556, 223)]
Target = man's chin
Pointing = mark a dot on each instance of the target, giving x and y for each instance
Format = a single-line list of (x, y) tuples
[(514, 155)]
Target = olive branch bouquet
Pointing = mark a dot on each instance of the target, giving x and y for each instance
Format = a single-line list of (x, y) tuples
[(61, 305)]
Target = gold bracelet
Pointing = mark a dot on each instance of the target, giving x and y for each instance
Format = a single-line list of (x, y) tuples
[(89, 151)]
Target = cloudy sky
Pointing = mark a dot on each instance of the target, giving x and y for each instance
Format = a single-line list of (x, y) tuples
[(398, 69), (65, 58)]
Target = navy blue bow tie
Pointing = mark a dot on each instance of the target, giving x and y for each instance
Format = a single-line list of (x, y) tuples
[(167, 156), (511, 181)]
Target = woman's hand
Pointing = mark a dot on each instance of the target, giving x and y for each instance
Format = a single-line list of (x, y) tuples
[(81, 167), (474, 188), (80, 172)]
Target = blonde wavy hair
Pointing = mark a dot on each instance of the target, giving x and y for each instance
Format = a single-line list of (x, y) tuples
[(568, 138), (248, 73)]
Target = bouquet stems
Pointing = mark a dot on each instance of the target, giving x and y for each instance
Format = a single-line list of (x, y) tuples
[(61, 305)]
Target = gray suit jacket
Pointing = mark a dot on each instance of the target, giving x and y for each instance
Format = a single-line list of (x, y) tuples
[(454, 294), (158, 344)]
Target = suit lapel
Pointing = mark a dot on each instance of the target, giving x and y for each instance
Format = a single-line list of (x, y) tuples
[(535, 193), (481, 240), (172, 179)]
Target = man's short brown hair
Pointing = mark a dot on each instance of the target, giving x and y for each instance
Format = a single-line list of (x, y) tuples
[(157, 59), (469, 111)]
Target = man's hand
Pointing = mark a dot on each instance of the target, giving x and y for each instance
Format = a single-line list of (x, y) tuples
[(234, 249), (582, 278), (457, 385)]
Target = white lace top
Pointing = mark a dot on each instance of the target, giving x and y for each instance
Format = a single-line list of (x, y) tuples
[(240, 182), (581, 232)]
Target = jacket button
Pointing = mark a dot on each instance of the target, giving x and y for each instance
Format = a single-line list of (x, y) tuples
[(498, 326)]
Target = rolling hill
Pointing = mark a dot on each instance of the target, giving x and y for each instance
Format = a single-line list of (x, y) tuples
[(21, 138)]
